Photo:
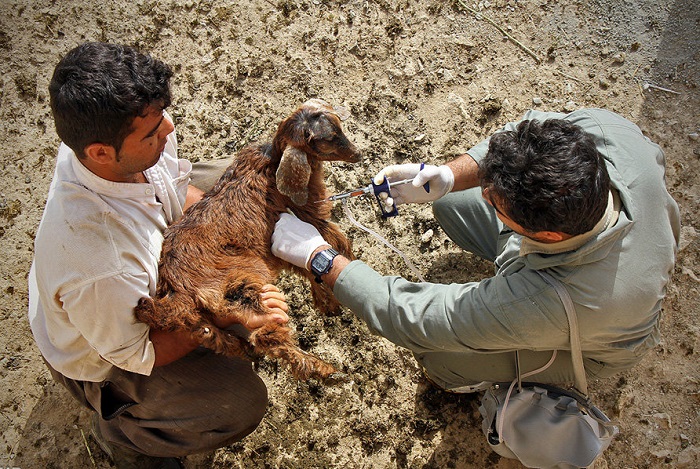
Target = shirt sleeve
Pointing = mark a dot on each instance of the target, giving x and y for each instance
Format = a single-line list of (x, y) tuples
[(496, 314), (103, 312)]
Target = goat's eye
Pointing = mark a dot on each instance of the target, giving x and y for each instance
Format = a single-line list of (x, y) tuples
[(307, 134)]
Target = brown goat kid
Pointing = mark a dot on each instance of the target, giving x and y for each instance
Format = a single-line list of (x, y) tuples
[(217, 257)]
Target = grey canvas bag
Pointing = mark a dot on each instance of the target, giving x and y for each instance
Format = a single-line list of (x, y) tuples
[(545, 426)]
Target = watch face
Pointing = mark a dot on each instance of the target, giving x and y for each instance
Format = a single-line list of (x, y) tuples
[(320, 263)]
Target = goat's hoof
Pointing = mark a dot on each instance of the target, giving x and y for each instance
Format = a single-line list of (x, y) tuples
[(145, 302), (145, 309)]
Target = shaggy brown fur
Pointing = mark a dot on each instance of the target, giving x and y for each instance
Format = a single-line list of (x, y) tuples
[(217, 257)]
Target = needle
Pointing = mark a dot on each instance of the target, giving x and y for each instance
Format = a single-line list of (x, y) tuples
[(361, 191)]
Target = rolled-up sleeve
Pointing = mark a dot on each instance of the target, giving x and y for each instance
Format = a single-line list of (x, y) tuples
[(103, 313)]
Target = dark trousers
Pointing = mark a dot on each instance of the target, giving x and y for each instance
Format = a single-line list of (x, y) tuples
[(198, 403)]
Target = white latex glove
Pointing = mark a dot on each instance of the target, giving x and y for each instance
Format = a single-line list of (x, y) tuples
[(440, 181), (294, 240)]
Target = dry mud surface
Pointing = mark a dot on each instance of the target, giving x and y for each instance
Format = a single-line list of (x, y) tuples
[(424, 81)]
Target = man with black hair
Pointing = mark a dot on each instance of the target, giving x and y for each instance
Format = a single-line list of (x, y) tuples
[(118, 184), (580, 196)]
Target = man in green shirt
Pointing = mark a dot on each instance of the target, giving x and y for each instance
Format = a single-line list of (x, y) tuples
[(580, 196)]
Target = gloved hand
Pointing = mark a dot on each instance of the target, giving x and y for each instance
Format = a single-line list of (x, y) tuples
[(440, 180), (294, 240)]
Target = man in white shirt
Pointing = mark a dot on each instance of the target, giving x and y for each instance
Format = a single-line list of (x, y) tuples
[(118, 184)]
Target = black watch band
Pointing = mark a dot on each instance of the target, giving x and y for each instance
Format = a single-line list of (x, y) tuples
[(322, 263)]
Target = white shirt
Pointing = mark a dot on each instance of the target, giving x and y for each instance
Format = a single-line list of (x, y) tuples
[(96, 254)]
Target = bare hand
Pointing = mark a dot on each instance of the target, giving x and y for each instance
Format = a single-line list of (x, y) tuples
[(273, 299)]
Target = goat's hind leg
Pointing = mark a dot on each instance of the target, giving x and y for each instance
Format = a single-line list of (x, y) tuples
[(242, 298), (272, 339), (170, 313), (275, 341)]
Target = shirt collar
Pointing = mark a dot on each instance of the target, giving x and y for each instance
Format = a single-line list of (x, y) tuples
[(110, 188), (609, 218)]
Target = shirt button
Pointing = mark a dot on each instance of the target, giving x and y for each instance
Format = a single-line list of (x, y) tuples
[(149, 191)]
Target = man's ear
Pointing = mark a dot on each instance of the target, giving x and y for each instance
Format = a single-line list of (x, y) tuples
[(100, 153), (552, 236)]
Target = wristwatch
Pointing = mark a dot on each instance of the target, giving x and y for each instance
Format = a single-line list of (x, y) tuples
[(322, 262)]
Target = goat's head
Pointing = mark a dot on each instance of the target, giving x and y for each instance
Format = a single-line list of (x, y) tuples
[(311, 134)]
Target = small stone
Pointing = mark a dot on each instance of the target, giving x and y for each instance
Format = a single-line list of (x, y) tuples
[(537, 101), (662, 419), (427, 236), (685, 441), (619, 58), (570, 106), (661, 454), (694, 136), (689, 457)]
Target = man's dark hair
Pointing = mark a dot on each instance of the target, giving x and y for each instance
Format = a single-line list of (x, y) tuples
[(98, 89), (547, 176)]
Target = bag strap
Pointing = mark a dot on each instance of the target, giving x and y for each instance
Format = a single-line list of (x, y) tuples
[(576, 355)]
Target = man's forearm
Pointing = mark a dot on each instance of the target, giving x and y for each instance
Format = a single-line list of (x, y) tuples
[(193, 196), (466, 172), (171, 346), (339, 263)]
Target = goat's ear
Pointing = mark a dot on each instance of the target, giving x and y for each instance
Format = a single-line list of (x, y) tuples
[(293, 175), (342, 112), (318, 104)]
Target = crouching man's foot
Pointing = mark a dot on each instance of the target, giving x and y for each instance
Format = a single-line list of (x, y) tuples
[(125, 458), (465, 389)]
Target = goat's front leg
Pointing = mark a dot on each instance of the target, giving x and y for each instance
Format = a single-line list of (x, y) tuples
[(323, 297), (332, 234)]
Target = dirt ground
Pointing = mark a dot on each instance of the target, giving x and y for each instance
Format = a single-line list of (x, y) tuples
[(424, 80)]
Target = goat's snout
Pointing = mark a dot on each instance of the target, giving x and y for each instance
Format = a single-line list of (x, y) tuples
[(341, 150)]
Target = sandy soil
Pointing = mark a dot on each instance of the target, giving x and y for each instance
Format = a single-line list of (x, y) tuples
[(424, 81)]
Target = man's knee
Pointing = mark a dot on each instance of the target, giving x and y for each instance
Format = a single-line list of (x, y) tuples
[(243, 416), (258, 404), (455, 206)]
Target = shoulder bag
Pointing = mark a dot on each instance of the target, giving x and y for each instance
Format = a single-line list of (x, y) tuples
[(545, 426)]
